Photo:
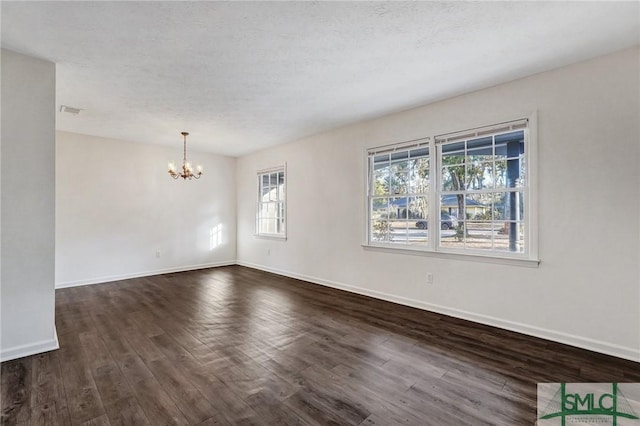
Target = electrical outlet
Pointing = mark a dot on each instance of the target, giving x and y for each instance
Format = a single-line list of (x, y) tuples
[(157, 253), (268, 252), (429, 278)]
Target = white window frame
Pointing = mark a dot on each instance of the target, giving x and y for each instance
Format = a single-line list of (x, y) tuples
[(280, 201), (391, 150), (529, 257)]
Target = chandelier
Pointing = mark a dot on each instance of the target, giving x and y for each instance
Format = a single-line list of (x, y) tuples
[(187, 171)]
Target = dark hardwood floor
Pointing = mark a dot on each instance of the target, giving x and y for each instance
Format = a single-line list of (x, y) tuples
[(234, 346)]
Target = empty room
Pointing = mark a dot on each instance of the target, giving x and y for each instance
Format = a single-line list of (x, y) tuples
[(320, 213)]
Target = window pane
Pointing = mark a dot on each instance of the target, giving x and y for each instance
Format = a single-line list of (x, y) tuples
[(268, 226), (417, 232), (264, 193), (501, 206), (448, 221), (273, 193), (453, 178), (419, 152), (453, 153), (381, 179), (418, 208), (398, 231), (419, 180), (478, 206), (379, 230), (379, 226), (265, 180), (398, 208), (479, 235), (513, 173), (273, 179), (452, 204), (480, 149), (381, 158), (510, 237), (281, 191), (501, 150), (513, 143), (480, 175), (523, 169), (398, 215), (399, 155), (380, 208), (399, 177), (494, 203), (452, 238), (268, 210), (508, 206), (500, 169)]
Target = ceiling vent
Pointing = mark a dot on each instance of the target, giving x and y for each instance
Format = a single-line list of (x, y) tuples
[(70, 110)]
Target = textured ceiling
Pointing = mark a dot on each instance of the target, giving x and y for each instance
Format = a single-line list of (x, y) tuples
[(241, 76)]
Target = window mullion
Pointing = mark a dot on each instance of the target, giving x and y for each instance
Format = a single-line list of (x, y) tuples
[(433, 196)]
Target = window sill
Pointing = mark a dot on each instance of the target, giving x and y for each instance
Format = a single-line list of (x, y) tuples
[(271, 237), (511, 261)]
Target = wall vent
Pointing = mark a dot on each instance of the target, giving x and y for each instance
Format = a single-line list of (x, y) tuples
[(70, 110)]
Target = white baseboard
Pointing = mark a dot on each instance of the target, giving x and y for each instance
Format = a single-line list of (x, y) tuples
[(30, 349), (109, 278), (553, 335)]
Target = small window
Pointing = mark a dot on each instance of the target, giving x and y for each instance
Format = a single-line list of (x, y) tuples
[(271, 205)]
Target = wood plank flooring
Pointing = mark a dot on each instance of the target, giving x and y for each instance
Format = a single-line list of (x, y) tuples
[(237, 346)]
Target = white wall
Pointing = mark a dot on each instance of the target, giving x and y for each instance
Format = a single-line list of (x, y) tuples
[(116, 206), (27, 217), (585, 292)]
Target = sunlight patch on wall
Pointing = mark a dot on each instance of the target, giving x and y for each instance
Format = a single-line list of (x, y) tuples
[(215, 236)]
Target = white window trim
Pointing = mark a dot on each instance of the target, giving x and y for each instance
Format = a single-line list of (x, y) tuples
[(529, 258), (268, 236)]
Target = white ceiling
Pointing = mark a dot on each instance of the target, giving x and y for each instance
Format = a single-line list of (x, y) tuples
[(241, 76)]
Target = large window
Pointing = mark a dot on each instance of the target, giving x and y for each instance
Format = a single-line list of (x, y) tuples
[(399, 194), (483, 184), (271, 206), (471, 195)]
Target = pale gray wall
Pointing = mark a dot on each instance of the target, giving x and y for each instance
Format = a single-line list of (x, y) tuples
[(27, 206), (117, 207), (585, 292)]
